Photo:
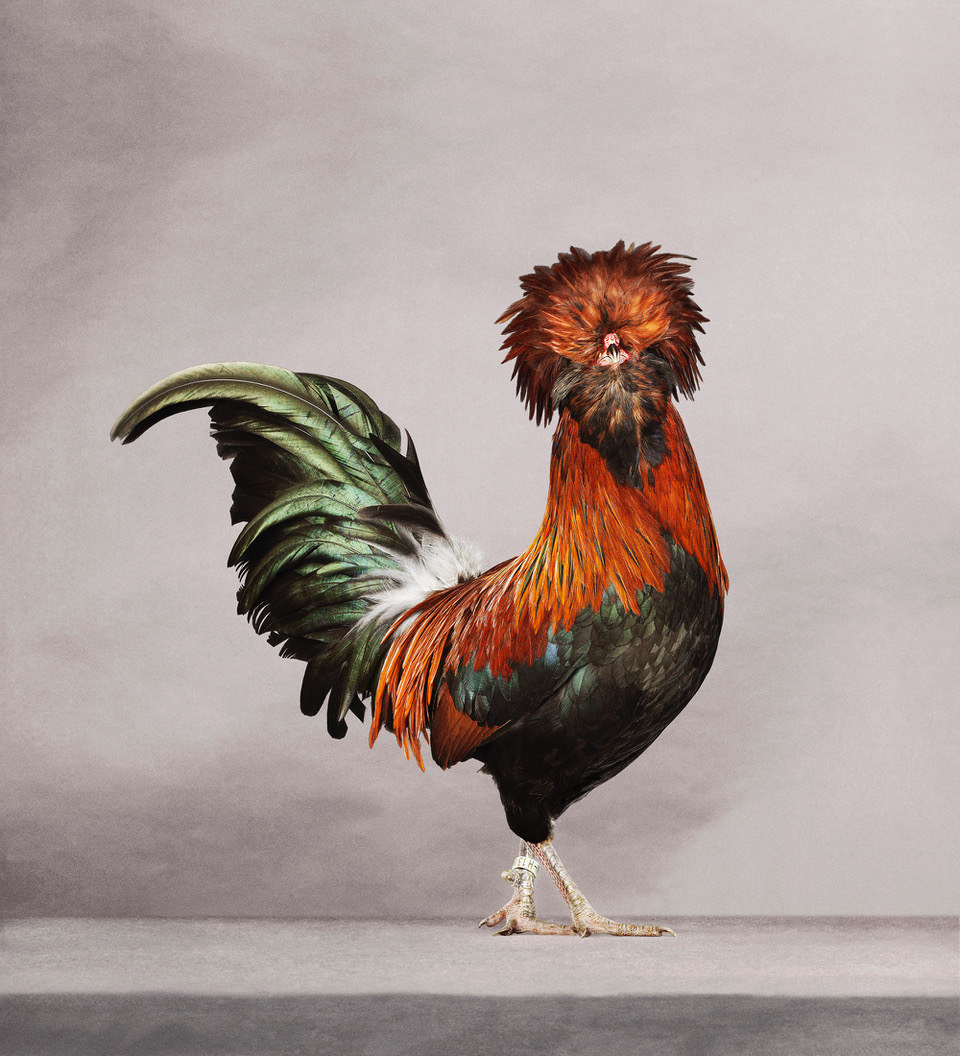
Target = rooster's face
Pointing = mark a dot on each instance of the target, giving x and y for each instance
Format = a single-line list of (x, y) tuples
[(618, 321)]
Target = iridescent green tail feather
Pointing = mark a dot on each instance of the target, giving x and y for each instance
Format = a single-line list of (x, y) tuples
[(333, 508)]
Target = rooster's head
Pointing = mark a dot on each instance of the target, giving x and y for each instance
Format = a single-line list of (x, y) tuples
[(621, 318)]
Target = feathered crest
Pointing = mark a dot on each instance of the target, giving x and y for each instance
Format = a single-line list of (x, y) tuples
[(565, 311)]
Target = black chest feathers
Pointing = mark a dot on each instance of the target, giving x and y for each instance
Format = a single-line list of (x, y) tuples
[(630, 675)]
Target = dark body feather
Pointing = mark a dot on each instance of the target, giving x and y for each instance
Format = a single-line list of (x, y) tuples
[(632, 675)]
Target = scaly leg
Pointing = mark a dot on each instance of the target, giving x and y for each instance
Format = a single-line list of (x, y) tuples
[(586, 920), (518, 916)]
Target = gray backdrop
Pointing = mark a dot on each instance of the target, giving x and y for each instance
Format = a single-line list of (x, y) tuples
[(353, 189)]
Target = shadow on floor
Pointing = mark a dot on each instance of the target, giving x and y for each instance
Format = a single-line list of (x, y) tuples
[(422, 1025)]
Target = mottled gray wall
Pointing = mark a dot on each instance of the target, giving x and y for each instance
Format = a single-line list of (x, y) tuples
[(353, 189)]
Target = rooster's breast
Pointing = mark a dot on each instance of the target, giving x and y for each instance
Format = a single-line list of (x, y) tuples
[(631, 674)]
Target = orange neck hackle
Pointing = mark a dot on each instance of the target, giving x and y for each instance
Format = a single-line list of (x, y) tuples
[(596, 533)]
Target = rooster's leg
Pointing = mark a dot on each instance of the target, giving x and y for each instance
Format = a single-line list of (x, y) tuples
[(586, 920), (518, 915)]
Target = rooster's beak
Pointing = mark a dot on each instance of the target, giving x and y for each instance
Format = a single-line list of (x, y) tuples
[(612, 352)]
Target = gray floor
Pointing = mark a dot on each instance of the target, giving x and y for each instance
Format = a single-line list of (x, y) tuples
[(798, 986)]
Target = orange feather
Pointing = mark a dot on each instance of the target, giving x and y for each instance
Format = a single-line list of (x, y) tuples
[(596, 533)]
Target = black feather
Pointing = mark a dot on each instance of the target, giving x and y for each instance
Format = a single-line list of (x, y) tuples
[(329, 502), (408, 515)]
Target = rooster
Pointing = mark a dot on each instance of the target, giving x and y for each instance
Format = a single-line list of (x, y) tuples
[(555, 669)]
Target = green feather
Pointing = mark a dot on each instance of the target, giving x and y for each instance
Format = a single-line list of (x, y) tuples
[(355, 407), (326, 497), (329, 500)]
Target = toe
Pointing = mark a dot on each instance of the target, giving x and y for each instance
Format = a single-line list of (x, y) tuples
[(535, 926), (594, 924), (494, 919), (520, 923)]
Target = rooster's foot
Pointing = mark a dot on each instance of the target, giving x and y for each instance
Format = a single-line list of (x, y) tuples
[(518, 916), (586, 920)]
